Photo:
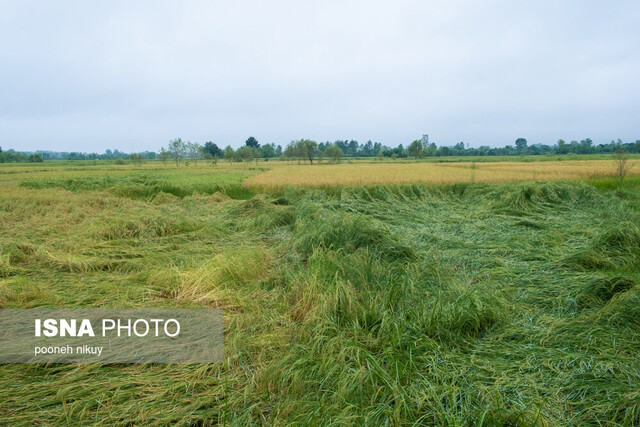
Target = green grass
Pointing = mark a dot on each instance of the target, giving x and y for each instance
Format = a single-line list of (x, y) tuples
[(146, 184), (461, 304)]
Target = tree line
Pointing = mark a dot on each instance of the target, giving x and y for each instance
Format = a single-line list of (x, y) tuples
[(307, 150), (12, 155)]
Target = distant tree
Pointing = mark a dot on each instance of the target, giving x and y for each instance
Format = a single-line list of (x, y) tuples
[(367, 149), (136, 158), (35, 158), (352, 148), (194, 151), (308, 149), (245, 153), (400, 151), (12, 156), (164, 155), (342, 145), (621, 161), (177, 149), (209, 158), (252, 142), (268, 151), (415, 149), (561, 147), (303, 149), (521, 144), (255, 154), (334, 153), (76, 156), (212, 149), (292, 152), (586, 145), (279, 151), (229, 154)]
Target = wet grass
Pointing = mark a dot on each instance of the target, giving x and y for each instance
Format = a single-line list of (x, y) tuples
[(457, 304)]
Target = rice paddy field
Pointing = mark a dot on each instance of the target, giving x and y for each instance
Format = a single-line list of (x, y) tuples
[(356, 294), (430, 173)]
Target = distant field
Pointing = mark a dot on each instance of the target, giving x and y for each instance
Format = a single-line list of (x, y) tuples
[(453, 303), (276, 174), (431, 173)]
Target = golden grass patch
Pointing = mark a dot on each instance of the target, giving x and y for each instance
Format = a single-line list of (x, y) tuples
[(430, 173)]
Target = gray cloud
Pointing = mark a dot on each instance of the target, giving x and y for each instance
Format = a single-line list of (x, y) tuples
[(86, 76)]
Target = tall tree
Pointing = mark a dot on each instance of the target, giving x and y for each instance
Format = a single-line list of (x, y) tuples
[(521, 144), (194, 151), (268, 150), (352, 148), (164, 155), (307, 149), (292, 151), (246, 153), (177, 150), (212, 149), (252, 142), (415, 149), (334, 152), (561, 147), (586, 146), (229, 154)]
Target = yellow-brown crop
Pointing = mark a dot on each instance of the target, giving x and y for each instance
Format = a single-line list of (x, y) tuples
[(408, 173)]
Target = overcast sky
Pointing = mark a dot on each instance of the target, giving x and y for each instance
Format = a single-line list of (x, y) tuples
[(91, 75)]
